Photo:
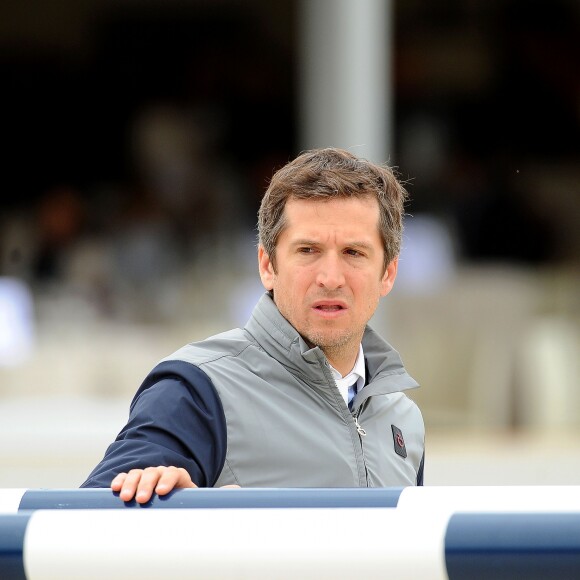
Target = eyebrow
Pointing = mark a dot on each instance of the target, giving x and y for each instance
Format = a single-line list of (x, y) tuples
[(304, 242), (310, 242)]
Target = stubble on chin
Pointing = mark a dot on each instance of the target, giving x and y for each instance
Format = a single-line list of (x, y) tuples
[(335, 345)]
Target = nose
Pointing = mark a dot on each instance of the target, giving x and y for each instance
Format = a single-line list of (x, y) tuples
[(330, 273)]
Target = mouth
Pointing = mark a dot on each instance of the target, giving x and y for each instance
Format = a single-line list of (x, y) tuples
[(329, 307)]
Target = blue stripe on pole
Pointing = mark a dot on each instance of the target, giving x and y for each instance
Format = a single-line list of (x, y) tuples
[(504, 546), (12, 531), (216, 498)]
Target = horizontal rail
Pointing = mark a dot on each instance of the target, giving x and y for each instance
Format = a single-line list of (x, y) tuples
[(14, 500), (421, 499), (304, 543)]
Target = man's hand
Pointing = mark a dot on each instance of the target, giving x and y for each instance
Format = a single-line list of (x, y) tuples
[(141, 483)]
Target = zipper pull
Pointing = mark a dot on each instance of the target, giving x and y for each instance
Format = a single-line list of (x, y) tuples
[(360, 430)]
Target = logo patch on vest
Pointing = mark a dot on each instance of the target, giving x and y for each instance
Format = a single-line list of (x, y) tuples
[(399, 441)]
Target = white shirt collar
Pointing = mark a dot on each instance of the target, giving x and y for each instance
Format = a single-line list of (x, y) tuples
[(358, 374)]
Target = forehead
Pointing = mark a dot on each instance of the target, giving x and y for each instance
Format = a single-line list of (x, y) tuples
[(350, 216)]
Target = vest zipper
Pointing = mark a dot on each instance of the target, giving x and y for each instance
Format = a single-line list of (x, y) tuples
[(360, 430), (362, 433)]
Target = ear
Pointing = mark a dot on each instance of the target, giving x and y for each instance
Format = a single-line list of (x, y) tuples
[(389, 276), (267, 274)]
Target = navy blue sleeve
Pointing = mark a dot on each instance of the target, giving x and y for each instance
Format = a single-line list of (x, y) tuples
[(176, 418), (420, 472)]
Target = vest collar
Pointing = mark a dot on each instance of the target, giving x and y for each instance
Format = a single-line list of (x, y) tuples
[(386, 373)]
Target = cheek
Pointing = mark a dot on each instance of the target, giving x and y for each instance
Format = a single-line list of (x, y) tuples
[(282, 292), (288, 305), (291, 290), (372, 293), (295, 282)]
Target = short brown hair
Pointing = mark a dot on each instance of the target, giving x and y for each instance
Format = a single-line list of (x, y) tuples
[(324, 174)]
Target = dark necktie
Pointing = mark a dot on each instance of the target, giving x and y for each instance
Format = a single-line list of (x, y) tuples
[(352, 390)]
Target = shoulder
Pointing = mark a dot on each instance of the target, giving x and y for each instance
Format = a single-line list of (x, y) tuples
[(174, 380), (407, 408), (227, 344), (398, 409), (190, 367)]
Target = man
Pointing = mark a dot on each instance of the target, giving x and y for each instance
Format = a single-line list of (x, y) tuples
[(271, 405)]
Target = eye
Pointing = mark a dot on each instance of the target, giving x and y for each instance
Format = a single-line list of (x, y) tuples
[(352, 252), (305, 250)]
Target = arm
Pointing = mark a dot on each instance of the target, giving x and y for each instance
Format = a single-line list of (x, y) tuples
[(176, 419)]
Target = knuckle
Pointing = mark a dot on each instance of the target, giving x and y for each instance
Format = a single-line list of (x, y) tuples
[(134, 472)]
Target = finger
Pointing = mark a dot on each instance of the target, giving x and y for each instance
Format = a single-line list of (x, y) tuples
[(184, 479), (117, 482), (147, 483), (169, 476), (232, 486), (130, 483), (173, 477)]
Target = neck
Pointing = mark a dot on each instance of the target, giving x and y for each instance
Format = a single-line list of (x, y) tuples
[(342, 361)]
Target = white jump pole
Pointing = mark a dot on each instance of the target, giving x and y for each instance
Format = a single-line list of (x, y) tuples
[(257, 544), (531, 498), (283, 543)]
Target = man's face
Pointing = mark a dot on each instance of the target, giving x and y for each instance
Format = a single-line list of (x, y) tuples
[(329, 272)]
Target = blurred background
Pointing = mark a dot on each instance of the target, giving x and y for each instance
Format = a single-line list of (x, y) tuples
[(139, 136)]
